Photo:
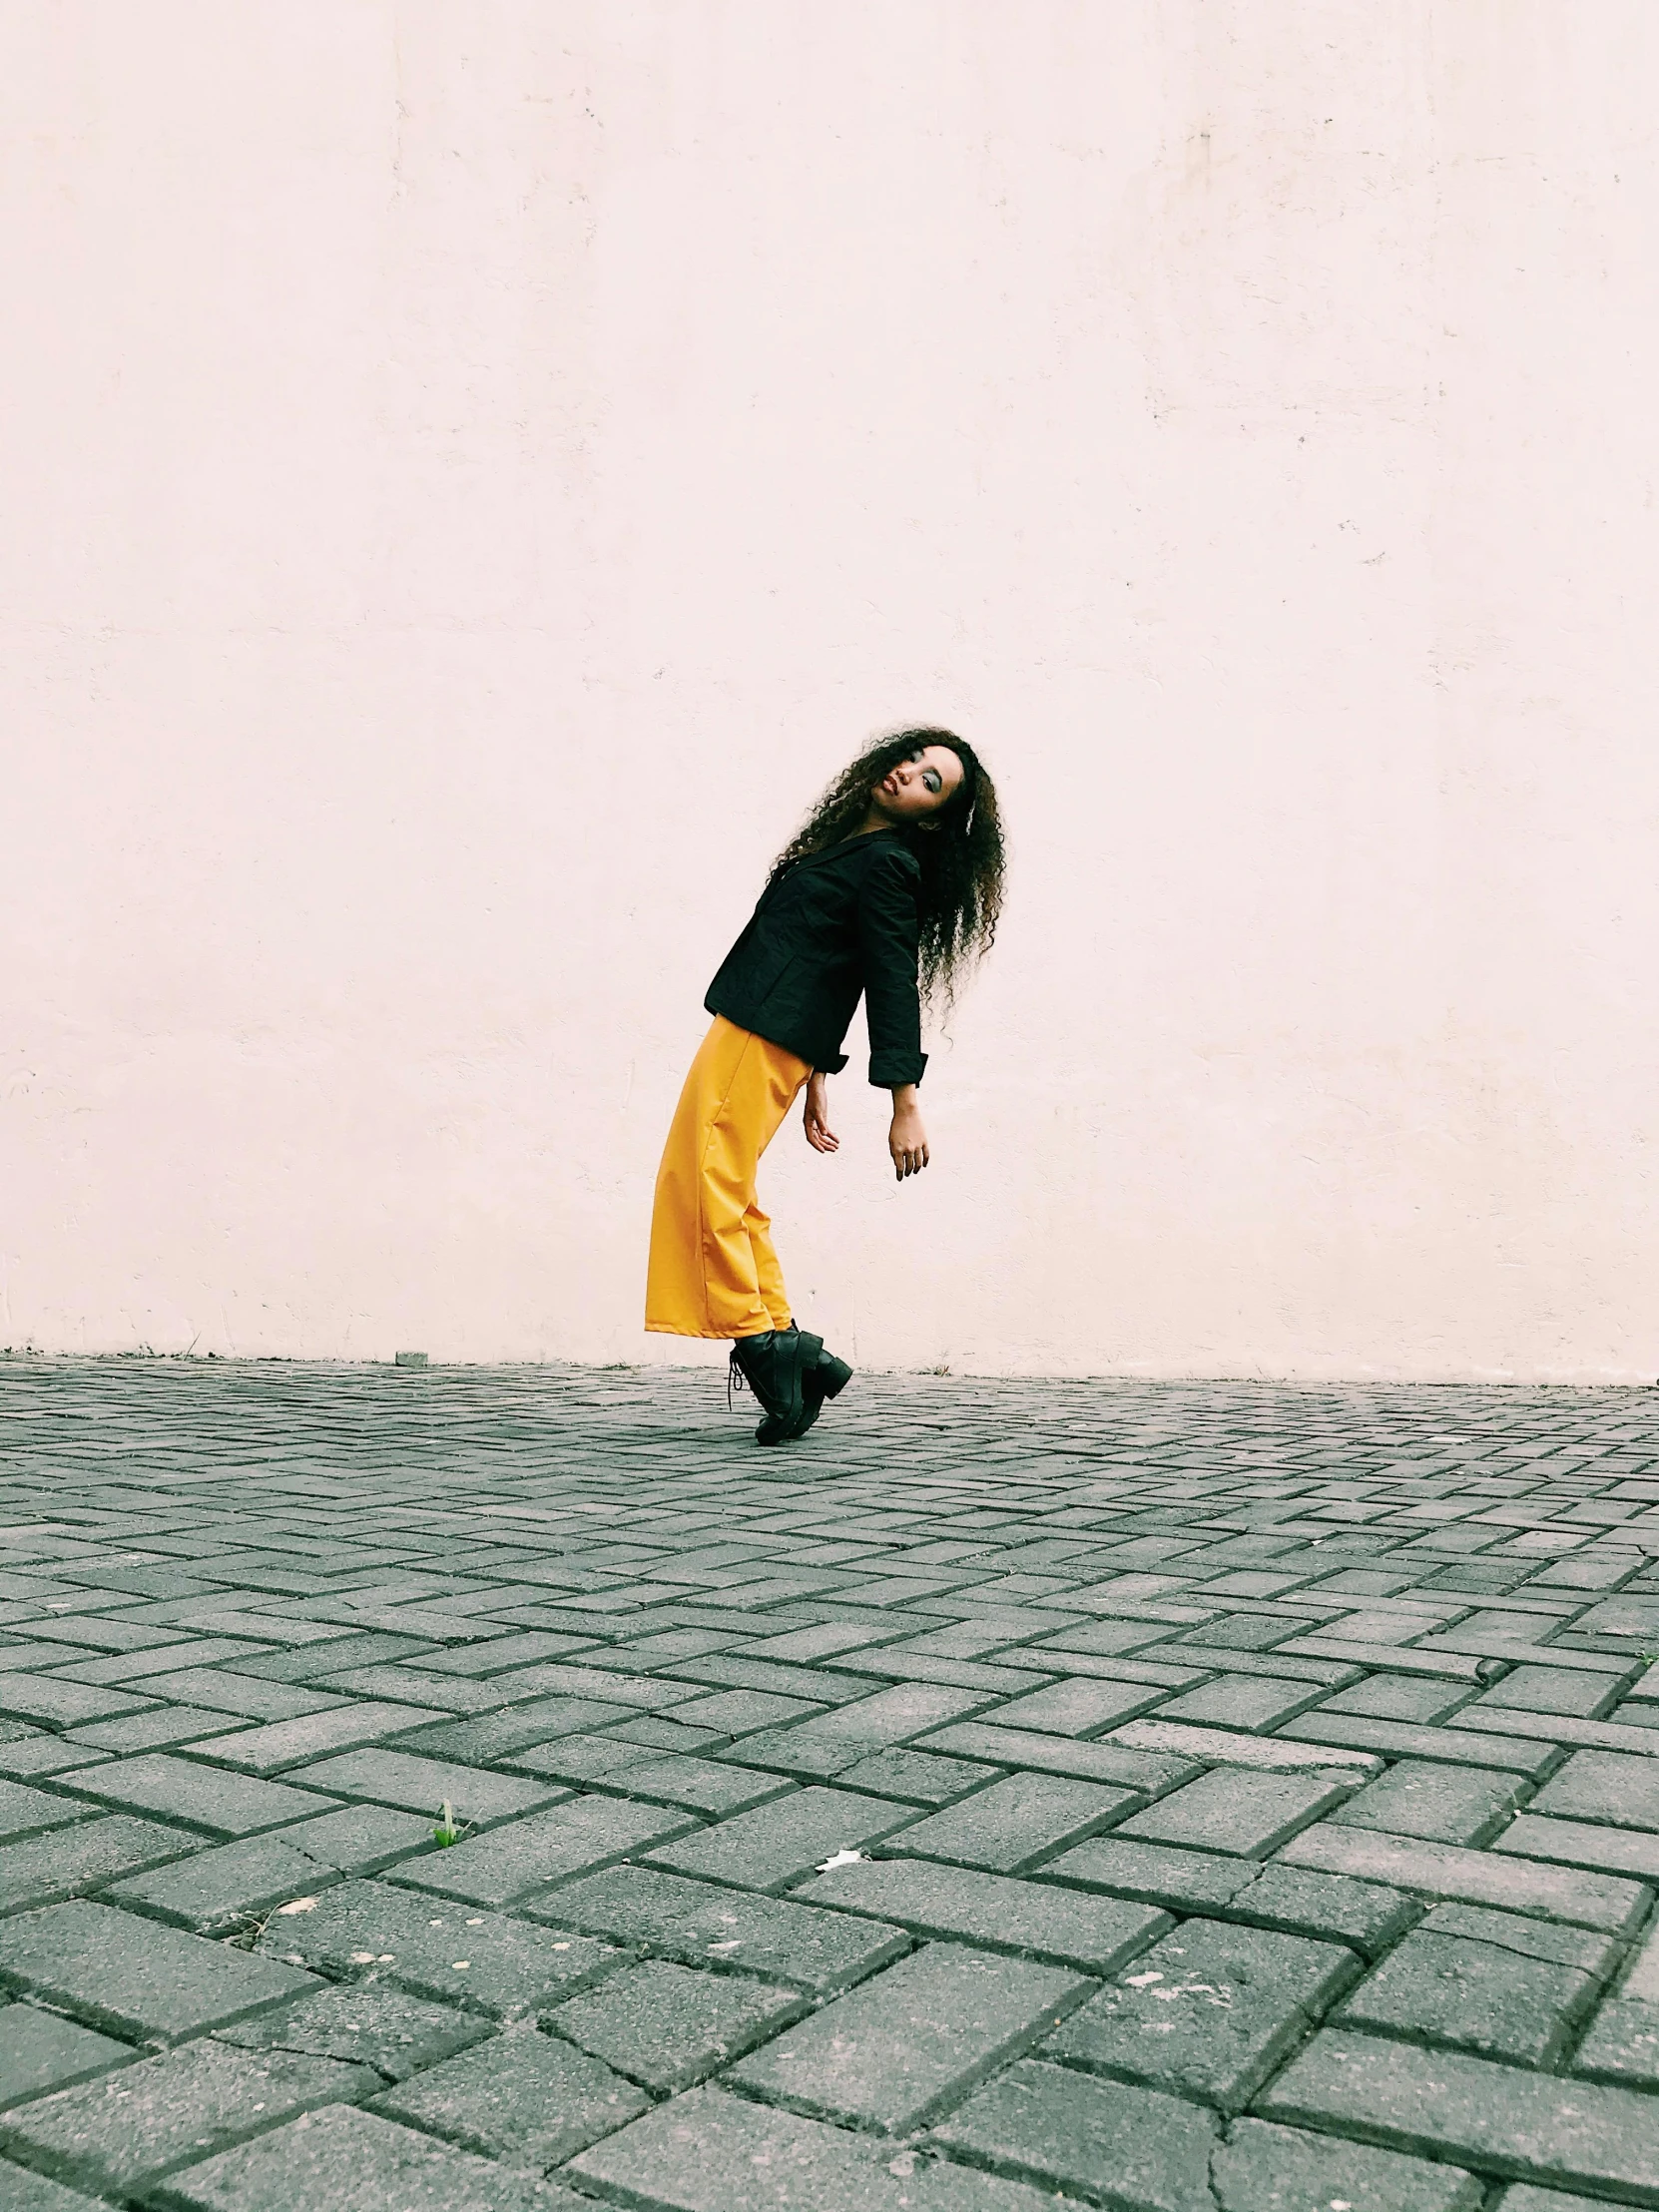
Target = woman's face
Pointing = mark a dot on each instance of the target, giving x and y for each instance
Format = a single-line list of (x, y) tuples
[(918, 786)]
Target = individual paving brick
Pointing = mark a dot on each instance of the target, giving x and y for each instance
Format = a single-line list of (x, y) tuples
[(1076, 1707), (528, 1854), (1107, 1637), (1622, 2045), (654, 1734), (1597, 1956), (811, 1949), (1583, 1843), (57, 1863), (212, 1888), (1242, 1700), (1364, 1915), (120, 2132), (503, 1652), (200, 1797), (25, 2192), (999, 1914), (368, 1931), (711, 2152), (358, 1839), (1207, 2012), (1233, 1746), (916, 1777), (1398, 1739), (1057, 2128), (448, 1693), (524, 2098), (740, 1711), (1400, 1697), (860, 1726), (700, 1785), (1604, 1786), (1499, 2120), (291, 1743), (392, 2033), (1019, 1821), (352, 2161), (776, 1844), (421, 1785), (61, 1704), (1552, 1690), (1526, 2199), (1030, 1748), (1470, 1876), (1477, 1997), (1263, 2168), (1442, 1805), (1239, 1812), (38, 1753), (134, 1977), (901, 2047), (1185, 1881), (227, 1691), (39, 2051), (575, 1760), (152, 1731), (25, 1812), (367, 1650), (668, 2026)]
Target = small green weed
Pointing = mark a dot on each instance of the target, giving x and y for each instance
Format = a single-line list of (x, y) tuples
[(449, 1830)]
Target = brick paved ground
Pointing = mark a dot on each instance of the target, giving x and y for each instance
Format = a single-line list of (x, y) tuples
[(1177, 1799)]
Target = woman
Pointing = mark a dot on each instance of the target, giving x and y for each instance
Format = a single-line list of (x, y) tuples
[(892, 887)]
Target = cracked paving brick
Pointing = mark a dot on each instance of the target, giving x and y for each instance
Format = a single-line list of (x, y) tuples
[(352, 2161), (524, 2098), (902, 2047), (388, 2030), (708, 2151), (1495, 2119), (993, 1911), (1061, 2130), (1484, 1997), (1207, 2012), (132, 1976), (120, 2132), (668, 2026), (366, 1930), (1017, 1821)]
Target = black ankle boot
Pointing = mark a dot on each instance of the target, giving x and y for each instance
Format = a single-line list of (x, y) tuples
[(773, 1365), (827, 1376)]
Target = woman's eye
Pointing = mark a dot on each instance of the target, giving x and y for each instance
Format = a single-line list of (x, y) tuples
[(932, 779)]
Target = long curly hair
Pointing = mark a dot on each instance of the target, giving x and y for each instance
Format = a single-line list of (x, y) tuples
[(959, 850)]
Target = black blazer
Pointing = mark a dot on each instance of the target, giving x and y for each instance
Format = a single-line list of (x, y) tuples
[(832, 926)]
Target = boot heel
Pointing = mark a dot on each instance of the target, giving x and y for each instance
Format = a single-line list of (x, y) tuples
[(833, 1375)]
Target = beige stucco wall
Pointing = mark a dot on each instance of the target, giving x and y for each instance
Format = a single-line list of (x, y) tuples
[(472, 469)]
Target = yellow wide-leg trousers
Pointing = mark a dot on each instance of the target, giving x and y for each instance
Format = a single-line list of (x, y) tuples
[(713, 1270)]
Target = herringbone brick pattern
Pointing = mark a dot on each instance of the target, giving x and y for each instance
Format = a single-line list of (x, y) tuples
[(1176, 1798)]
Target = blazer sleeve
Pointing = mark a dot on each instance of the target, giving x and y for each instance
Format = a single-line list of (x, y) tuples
[(888, 940)]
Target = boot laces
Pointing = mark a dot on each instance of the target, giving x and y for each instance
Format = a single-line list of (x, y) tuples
[(736, 1380)]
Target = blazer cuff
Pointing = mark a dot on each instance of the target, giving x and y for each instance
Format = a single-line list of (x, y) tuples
[(888, 1069)]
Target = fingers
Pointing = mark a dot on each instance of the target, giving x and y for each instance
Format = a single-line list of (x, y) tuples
[(908, 1161)]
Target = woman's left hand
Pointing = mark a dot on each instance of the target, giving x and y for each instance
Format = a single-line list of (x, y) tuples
[(816, 1118)]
